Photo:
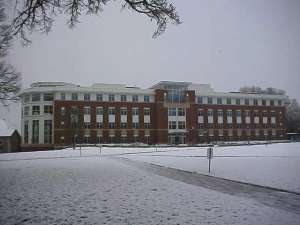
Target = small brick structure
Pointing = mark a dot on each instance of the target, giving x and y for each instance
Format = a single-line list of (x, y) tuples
[(10, 142)]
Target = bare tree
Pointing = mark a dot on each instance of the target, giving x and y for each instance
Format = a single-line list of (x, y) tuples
[(9, 78), (293, 116), (38, 15)]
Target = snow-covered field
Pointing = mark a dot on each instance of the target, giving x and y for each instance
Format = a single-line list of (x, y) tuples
[(103, 190), (274, 165)]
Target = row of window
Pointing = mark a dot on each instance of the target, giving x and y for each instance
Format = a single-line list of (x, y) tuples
[(238, 113), (239, 132), (36, 110), (36, 131), (173, 125), (112, 139), (86, 97), (237, 101), (111, 97), (36, 97), (110, 110), (112, 125), (176, 111)]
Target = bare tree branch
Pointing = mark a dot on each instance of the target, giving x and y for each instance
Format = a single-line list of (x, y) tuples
[(38, 15), (9, 78)]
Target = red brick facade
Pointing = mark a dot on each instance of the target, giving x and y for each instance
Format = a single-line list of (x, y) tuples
[(159, 132)]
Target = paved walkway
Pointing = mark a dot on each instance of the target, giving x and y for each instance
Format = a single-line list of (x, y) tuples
[(271, 197)]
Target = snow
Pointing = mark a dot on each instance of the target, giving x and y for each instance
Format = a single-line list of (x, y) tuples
[(274, 165), (51, 189)]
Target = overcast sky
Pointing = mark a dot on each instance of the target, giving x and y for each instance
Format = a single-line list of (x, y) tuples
[(227, 43)]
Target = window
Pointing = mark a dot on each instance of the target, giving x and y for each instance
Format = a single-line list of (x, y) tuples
[(238, 113), (229, 113), (201, 132), (210, 101), (146, 111), (123, 111), (111, 97), (62, 96), (146, 98), (200, 112), (147, 125), (87, 125), (111, 125), (62, 111), (210, 112), (36, 97), (87, 97), (237, 101), (26, 110), (123, 98), (99, 139), (255, 102), (220, 112), (47, 131), (99, 97), (279, 102), (228, 101), (123, 125), (35, 132), (172, 125), (87, 110), (135, 125), (134, 98), (99, 110), (135, 111), (26, 98), (220, 132), (99, 125), (172, 111), (200, 100), (111, 111), (26, 131), (246, 101), (74, 117), (181, 112), (87, 139), (48, 97), (219, 101), (74, 96), (272, 102), (247, 113), (264, 102), (135, 139), (36, 110), (181, 124), (48, 109)]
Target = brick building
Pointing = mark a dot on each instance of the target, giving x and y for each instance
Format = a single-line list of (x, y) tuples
[(59, 114)]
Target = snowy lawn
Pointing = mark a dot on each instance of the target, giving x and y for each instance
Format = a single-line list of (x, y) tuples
[(103, 190), (274, 165)]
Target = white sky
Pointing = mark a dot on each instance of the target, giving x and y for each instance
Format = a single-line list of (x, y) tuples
[(227, 43)]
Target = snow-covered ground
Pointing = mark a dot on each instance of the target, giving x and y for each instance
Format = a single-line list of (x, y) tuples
[(274, 165), (103, 190)]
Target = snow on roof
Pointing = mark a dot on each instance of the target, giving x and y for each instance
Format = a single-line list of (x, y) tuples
[(5, 130)]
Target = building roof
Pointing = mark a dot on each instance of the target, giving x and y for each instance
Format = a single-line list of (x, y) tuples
[(5, 130)]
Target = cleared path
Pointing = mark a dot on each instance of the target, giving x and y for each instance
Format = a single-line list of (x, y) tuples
[(272, 197)]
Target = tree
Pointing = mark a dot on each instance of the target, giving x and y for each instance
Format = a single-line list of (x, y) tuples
[(38, 15), (293, 116), (9, 78), (257, 89)]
